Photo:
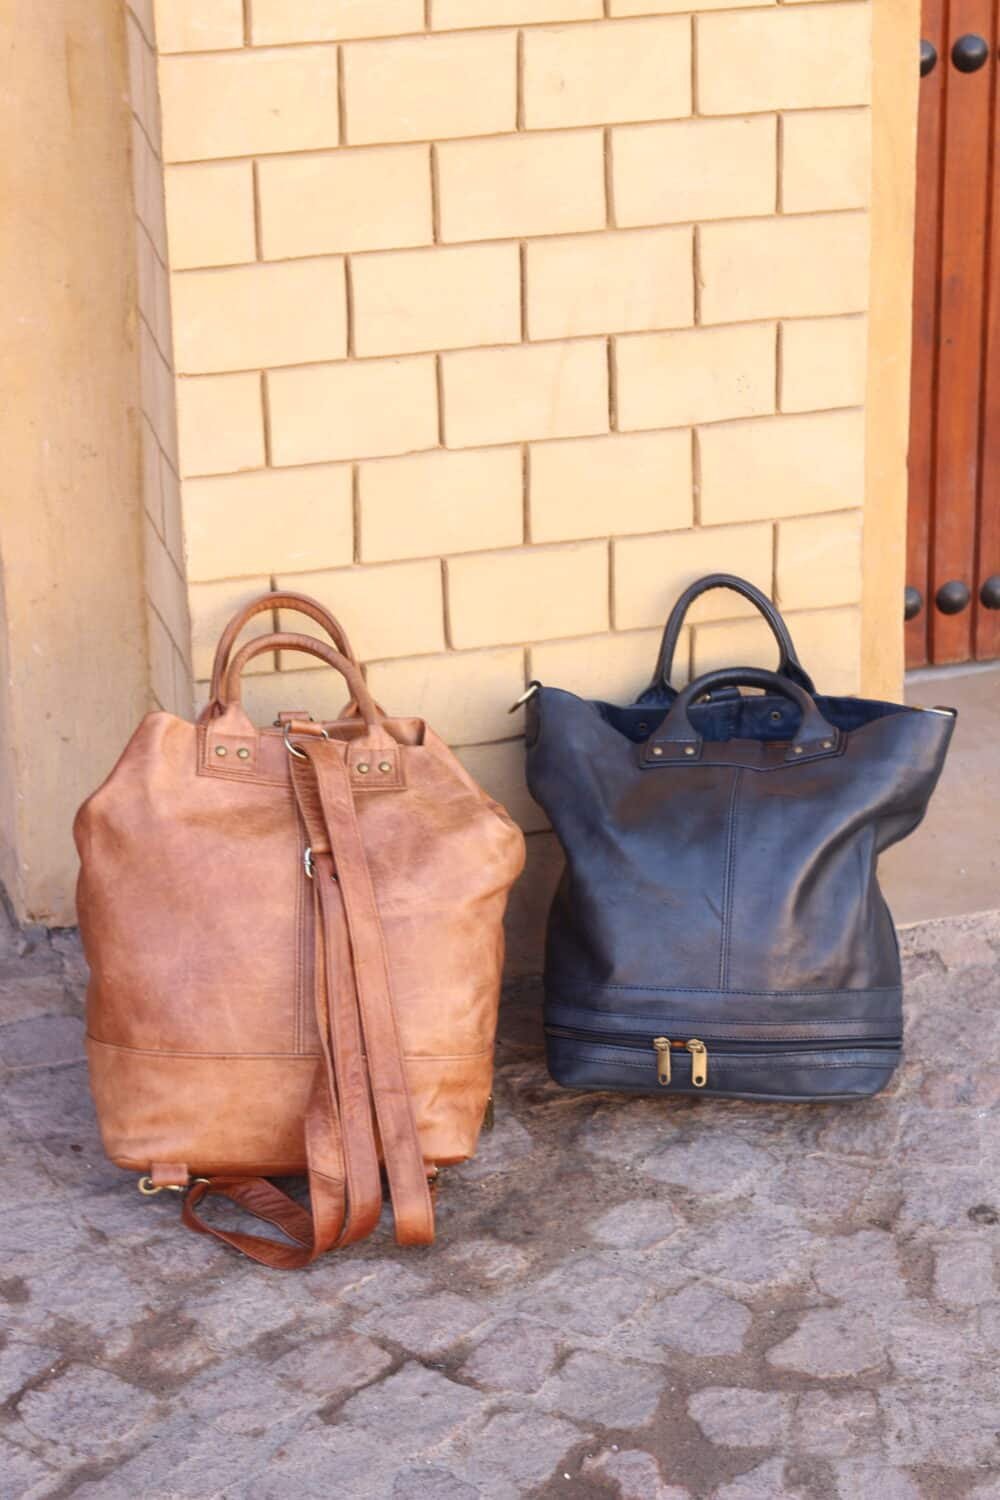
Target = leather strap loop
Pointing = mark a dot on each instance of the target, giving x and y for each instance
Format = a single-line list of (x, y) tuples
[(789, 665), (301, 604)]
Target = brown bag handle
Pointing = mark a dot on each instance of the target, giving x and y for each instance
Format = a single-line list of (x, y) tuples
[(231, 690), (302, 604)]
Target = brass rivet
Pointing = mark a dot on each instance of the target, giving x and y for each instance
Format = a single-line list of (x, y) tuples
[(243, 753), (688, 749), (798, 749), (362, 768), (657, 749), (221, 750), (385, 765)]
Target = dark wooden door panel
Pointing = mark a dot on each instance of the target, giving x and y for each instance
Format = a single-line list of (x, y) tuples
[(953, 540)]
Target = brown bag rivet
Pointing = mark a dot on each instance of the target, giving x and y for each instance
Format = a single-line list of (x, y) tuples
[(363, 767), (243, 753), (385, 765), (221, 750)]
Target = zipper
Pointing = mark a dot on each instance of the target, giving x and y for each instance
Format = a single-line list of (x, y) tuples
[(697, 1049), (699, 1060)]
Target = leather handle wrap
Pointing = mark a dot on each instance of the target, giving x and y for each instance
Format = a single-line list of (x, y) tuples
[(789, 665)]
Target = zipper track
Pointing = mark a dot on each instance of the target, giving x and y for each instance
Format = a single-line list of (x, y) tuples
[(732, 1048)]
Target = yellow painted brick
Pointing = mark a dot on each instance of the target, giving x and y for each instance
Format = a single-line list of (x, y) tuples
[(247, 317), (784, 267), (615, 667), (244, 524), (782, 466), (321, 693), (164, 584), (243, 103), (536, 183), (609, 486), (649, 572), (210, 214), (173, 521), (220, 424), (355, 410), (212, 606), (593, 75), (829, 644), (532, 391), (388, 611), (445, 298), (158, 394), (347, 200), (147, 188), (784, 58), (198, 25), (161, 660), (825, 159), (499, 770), (609, 283), (671, 7), (430, 87), (534, 593), (694, 169), (734, 643), (276, 21), (450, 15), (823, 363), (819, 560), (428, 504), (463, 695), (697, 375)]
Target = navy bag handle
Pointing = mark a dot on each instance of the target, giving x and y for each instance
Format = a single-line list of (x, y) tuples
[(789, 665)]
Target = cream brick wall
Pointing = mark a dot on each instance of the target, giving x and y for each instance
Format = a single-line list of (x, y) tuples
[(493, 323), (168, 627)]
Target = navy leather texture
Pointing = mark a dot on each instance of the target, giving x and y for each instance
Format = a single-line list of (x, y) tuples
[(721, 879)]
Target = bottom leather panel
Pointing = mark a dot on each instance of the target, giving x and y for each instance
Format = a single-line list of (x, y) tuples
[(244, 1114)]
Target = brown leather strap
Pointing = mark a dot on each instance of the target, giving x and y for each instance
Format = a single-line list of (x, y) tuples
[(301, 604), (353, 996), (404, 1163)]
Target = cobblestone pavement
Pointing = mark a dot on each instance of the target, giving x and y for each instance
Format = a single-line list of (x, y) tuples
[(647, 1299)]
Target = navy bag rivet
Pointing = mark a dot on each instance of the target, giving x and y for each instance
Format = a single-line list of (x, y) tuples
[(719, 927)]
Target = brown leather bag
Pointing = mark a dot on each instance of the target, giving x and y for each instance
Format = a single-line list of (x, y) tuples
[(295, 942)]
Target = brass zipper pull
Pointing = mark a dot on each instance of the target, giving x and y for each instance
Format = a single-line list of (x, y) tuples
[(661, 1045), (699, 1062)]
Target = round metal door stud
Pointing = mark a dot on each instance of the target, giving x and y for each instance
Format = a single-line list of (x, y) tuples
[(928, 57), (913, 603), (970, 52), (989, 594), (952, 597)]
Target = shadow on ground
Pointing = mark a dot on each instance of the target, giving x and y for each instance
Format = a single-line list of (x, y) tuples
[(647, 1299)]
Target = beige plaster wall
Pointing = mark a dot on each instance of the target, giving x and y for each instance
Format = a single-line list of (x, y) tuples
[(72, 635)]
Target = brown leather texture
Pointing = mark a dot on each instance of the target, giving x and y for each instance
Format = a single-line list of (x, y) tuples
[(253, 1011)]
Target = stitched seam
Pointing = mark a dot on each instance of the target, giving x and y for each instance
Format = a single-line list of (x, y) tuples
[(720, 1061), (729, 1024), (682, 989), (727, 883), (311, 1057)]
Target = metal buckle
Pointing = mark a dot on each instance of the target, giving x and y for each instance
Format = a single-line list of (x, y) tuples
[(293, 749), (148, 1187)]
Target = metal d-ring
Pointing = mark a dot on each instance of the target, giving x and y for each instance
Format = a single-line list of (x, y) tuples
[(529, 692), (293, 749)]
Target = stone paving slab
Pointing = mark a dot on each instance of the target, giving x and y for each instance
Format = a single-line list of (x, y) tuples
[(630, 1299)]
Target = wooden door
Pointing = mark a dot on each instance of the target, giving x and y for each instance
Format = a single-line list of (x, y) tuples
[(953, 541)]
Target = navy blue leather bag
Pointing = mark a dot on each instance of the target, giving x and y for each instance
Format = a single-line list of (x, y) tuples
[(719, 927)]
